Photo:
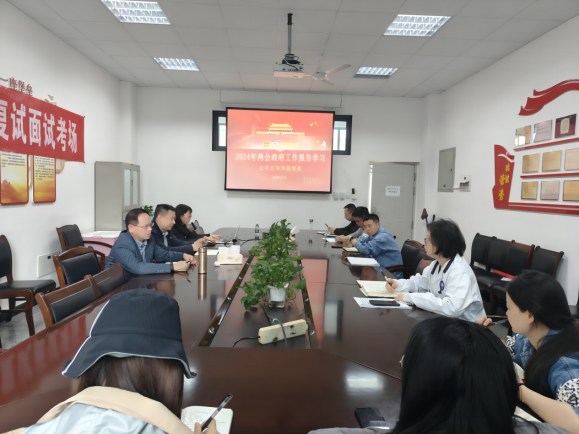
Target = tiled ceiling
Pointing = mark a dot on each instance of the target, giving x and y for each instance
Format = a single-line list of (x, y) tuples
[(236, 42)]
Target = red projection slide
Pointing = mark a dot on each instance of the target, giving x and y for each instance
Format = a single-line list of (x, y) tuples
[(274, 150)]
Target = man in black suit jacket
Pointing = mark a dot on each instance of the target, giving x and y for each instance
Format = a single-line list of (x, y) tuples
[(164, 221), (352, 227)]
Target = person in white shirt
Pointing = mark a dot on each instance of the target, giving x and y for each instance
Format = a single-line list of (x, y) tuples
[(448, 285)]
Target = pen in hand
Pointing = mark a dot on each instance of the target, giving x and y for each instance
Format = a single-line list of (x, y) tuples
[(217, 410)]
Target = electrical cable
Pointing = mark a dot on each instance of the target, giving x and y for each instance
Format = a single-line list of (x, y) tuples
[(242, 339), (273, 320)]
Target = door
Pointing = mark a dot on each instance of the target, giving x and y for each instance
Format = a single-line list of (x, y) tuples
[(392, 197)]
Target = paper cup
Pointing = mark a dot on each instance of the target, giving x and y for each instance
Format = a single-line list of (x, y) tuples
[(224, 250)]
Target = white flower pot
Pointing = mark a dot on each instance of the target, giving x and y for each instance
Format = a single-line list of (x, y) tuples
[(276, 296)]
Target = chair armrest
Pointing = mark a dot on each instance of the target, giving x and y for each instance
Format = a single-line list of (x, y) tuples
[(500, 273), (102, 260)]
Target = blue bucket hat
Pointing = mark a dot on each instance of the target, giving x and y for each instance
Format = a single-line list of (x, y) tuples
[(139, 322)]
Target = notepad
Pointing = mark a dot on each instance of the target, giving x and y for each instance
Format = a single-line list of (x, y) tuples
[(351, 249), (191, 415), (365, 303), (364, 262), (329, 240), (524, 415), (373, 288)]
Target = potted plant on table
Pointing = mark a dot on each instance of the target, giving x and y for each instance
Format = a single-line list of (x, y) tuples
[(274, 271)]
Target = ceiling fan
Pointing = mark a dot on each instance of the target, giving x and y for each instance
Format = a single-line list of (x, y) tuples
[(291, 67)]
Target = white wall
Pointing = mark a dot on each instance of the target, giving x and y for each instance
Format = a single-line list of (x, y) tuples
[(178, 165), (36, 56), (483, 111)]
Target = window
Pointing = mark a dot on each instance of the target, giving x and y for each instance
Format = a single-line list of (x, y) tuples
[(342, 132)]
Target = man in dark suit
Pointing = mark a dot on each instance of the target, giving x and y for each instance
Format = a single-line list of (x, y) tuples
[(352, 227), (163, 222), (134, 251)]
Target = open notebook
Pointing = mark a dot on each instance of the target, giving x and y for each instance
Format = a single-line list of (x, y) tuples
[(191, 415), (373, 288)]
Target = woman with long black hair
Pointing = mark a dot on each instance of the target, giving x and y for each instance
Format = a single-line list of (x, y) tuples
[(457, 378), (546, 346)]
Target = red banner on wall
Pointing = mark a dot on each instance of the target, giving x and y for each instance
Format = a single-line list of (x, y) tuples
[(34, 127)]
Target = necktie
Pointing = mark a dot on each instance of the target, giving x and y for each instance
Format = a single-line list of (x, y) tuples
[(165, 239)]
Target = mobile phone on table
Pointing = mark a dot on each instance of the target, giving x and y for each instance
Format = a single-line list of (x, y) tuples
[(370, 417), (384, 303)]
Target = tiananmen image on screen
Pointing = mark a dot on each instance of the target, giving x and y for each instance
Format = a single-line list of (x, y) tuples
[(279, 150)]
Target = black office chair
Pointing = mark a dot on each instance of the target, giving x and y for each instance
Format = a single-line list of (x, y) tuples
[(496, 260), (72, 265), (479, 252), (109, 279), (19, 289), (64, 302), (70, 237)]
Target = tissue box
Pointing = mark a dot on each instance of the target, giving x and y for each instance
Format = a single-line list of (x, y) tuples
[(229, 259)]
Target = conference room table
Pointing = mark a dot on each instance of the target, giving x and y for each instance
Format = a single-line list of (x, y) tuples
[(349, 358)]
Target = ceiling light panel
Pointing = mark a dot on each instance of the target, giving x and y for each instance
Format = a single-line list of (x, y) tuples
[(140, 12), (374, 72), (415, 25), (177, 64)]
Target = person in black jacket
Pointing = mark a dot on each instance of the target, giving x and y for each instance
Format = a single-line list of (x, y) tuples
[(163, 223), (352, 227), (182, 232)]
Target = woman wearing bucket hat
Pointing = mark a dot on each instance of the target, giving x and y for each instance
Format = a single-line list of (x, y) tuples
[(129, 372)]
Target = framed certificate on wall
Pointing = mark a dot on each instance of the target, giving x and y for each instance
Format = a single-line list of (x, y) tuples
[(571, 190), (565, 126), (529, 190), (531, 163), (572, 159), (543, 131), (550, 190), (523, 136), (552, 161)]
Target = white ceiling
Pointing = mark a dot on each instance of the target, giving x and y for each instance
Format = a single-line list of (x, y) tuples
[(236, 42)]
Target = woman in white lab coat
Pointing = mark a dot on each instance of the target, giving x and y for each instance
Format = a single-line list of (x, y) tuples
[(448, 286)]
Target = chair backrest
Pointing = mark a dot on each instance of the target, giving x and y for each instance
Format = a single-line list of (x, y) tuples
[(69, 237), (422, 265), (72, 265), (416, 244), (497, 258), (519, 258), (57, 305), (421, 256), (479, 251), (109, 279), (409, 252), (5, 258), (546, 261)]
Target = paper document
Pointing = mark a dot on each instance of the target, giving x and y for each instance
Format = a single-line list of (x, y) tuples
[(364, 262), (351, 249), (373, 288), (329, 240), (190, 415), (365, 302), (212, 252), (524, 415), (519, 371), (506, 279)]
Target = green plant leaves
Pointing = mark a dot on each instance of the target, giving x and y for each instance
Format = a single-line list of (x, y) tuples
[(274, 265)]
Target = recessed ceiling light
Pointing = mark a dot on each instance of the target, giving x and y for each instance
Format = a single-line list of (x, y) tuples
[(415, 25), (177, 64), (142, 12), (374, 72)]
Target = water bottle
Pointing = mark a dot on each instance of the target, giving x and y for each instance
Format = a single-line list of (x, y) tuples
[(257, 231), (202, 260)]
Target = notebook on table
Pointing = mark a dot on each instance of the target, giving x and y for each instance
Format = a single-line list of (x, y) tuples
[(363, 262), (374, 288), (198, 414)]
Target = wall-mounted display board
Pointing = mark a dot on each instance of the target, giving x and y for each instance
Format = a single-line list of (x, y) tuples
[(44, 180), (531, 163), (529, 190), (565, 126), (13, 178), (523, 136), (552, 161), (543, 131), (571, 190), (572, 159), (550, 190)]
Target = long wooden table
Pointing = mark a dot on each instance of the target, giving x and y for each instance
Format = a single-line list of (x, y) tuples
[(349, 358)]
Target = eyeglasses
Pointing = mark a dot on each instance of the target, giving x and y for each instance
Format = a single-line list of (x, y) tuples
[(145, 227)]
